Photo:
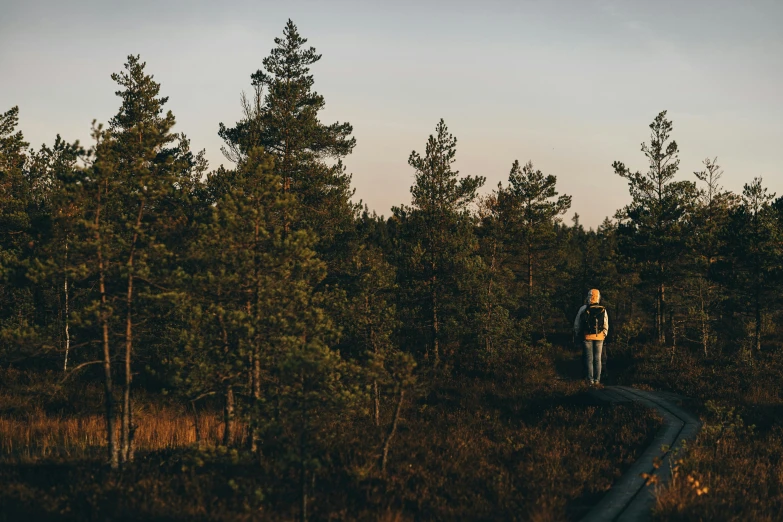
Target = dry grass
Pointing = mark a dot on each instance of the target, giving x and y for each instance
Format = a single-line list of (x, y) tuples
[(740, 479), (40, 435), (733, 472), (44, 416)]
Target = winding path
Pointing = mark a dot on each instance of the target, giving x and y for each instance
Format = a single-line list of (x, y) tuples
[(630, 498)]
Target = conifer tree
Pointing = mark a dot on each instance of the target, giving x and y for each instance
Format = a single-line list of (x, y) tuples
[(15, 199), (140, 158), (437, 241), (283, 118), (651, 227), (752, 265), (493, 322), (702, 292), (530, 208), (135, 169), (92, 262), (214, 313), (371, 322), (50, 170), (29, 188), (254, 323), (298, 390), (582, 262)]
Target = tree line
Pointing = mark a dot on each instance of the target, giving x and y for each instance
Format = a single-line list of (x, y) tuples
[(265, 288)]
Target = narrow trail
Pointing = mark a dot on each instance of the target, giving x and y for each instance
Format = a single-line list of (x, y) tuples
[(630, 499)]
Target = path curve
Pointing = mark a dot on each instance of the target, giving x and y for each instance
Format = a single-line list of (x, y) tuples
[(630, 499)]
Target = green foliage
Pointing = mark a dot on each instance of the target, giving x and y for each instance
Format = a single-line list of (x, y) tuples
[(529, 209), (751, 266), (652, 228), (495, 326), (436, 246), (283, 118), (15, 233)]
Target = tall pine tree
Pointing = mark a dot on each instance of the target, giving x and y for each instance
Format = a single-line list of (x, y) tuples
[(752, 263), (436, 242), (651, 227), (283, 118), (530, 208)]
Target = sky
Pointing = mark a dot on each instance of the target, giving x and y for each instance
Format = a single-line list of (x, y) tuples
[(570, 85)]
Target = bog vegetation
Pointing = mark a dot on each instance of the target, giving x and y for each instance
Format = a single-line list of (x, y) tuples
[(247, 342)]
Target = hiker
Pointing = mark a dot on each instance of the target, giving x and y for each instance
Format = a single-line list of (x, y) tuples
[(590, 327)]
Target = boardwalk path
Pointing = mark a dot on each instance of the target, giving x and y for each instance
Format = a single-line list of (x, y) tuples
[(630, 499)]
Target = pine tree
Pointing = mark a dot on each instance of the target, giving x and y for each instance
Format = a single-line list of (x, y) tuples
[(221, 287), (530, 213), (92, 261), (298, 392), (31, 316), (140, 159), (437, 241), (493, 323), (702, 293), (50, 170), (283, 118), (15, 232), (651, 226), (125, 199), (752, 266), (255, 328)]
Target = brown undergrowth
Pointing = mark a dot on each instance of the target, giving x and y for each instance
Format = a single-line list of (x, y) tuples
[(519, 443), (734, 470)]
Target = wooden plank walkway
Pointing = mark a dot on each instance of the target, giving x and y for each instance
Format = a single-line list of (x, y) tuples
[(631, 499)]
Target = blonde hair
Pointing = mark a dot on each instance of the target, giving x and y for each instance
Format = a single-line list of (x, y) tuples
[(593, 296)]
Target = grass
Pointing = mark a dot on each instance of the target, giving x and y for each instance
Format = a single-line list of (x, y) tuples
[(42, 436), (43, 417)]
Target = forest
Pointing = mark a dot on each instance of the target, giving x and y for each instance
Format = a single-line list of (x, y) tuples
[(179, 342)]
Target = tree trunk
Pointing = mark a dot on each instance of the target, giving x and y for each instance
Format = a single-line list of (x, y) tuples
[(196, 426), (255, 355), (660, 314), (128, 428), (673, 325), (663, 313), (435, 323), (705, 331), (488, 339), (108, 388), (228, 408), (529, 279), (392, 430), (757, 339), (126, 452), (303, 454), (251, 381), (377, 402), (228, 416), (67, 331), (255, 439)]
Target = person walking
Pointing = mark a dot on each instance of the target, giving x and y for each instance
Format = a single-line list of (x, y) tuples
[(590, 327)]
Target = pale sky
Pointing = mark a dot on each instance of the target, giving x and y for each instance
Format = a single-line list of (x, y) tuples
[(570, 85)]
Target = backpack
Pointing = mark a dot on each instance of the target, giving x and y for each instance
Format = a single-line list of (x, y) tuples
[(592, 321)]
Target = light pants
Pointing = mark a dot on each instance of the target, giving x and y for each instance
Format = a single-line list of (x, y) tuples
[(592, 358)]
